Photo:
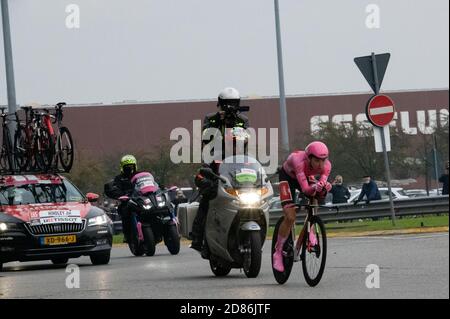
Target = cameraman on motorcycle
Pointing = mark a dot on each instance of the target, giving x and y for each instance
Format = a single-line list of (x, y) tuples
[(229, 115), (121, 186), (232, 125)]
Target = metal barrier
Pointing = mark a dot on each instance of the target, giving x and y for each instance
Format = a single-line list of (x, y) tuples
[(376, 209)]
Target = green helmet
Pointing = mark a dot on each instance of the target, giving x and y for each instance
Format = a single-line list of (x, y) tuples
[(128, 160)]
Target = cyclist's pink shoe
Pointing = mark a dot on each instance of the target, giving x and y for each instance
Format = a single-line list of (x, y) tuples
[(278, 263)]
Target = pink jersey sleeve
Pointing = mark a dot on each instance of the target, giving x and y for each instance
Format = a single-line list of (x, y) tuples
[(326, 172), (299, 163)]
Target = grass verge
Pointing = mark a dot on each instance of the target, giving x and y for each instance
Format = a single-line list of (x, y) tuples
[(362, 226)]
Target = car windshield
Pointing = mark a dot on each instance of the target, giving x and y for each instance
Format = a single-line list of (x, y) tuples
[(402, 192), (243, 172), (39, 194)]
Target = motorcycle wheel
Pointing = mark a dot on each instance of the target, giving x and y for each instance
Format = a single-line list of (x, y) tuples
[(252, 258), (172, 239), (149, 241), (219, 270), (136, 247)]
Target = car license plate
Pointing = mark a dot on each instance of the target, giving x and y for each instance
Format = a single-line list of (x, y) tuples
[(58, 240)]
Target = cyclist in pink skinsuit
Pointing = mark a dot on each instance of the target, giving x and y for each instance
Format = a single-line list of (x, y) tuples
[(300, 168)]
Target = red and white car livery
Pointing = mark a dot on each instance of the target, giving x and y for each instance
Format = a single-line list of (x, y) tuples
[(45, 217)]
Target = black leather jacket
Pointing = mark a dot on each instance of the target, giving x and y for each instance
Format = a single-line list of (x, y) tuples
[(119, 186), (231, 120)]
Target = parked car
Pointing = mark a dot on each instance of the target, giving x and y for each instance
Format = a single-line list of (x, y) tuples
[(397, 193), (45, 217), (412, 193), (275, 204)]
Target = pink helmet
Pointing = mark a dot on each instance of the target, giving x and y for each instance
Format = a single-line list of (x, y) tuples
[(317, 149)]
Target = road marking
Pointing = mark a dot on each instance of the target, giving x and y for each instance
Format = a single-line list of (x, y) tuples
[(395, 237)]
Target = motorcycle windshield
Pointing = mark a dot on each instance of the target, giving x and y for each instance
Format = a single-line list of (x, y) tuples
[(243, 172), (144, 183)]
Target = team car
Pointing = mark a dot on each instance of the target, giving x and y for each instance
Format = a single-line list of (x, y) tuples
[(45, 217)]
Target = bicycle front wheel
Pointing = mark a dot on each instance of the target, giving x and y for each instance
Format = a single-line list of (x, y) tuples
[(65, 148), (314, 251), (45, 150), (288, 255)]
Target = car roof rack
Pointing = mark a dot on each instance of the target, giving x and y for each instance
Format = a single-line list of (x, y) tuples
[(31, 172)]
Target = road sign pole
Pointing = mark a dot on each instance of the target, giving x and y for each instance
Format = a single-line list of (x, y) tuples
[(283, 111), (383, 141), (11, 89), (436, 172)]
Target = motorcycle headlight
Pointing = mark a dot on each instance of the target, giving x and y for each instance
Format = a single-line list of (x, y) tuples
[(147, 206), (250, 198), (97, 221), (161, 201)]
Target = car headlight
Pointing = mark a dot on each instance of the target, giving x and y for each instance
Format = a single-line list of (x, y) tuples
[(9, 227), (97, 221), (147, 206), (3, 227), (250, 198)]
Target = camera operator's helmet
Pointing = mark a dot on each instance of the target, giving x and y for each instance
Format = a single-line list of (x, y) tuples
[(229, 98)]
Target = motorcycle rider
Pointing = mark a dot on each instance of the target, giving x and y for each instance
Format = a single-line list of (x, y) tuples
[(298, 171), (121, 186), (208, 188), (229, 115)]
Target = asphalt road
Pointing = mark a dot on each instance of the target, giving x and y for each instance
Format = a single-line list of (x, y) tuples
[(410, 267)]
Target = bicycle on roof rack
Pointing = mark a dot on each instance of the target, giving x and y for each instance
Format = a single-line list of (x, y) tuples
[(36, 144), (33, 145), (7, 152), (64, 152)]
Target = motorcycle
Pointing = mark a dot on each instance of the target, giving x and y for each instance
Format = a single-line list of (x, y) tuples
[(238, 217), (152, 218)]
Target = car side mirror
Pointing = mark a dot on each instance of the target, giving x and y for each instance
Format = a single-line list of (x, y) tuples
[(92, 197)]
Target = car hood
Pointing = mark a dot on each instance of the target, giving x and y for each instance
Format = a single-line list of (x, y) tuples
[(26, 213)]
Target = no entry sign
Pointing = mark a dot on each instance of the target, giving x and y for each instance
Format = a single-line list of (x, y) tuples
[(380, 110)]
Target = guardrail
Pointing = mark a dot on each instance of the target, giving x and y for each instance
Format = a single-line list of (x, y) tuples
[(376, 209)]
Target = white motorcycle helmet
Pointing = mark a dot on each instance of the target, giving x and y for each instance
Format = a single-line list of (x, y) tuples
[(229, 98)]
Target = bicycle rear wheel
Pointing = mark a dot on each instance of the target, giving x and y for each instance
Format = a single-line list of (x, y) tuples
[(288, 255), (6, 162), (65, 148), (314, 254), (45, 150), (21, 149)]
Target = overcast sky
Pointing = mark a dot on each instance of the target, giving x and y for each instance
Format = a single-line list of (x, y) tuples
[(148, 50)]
